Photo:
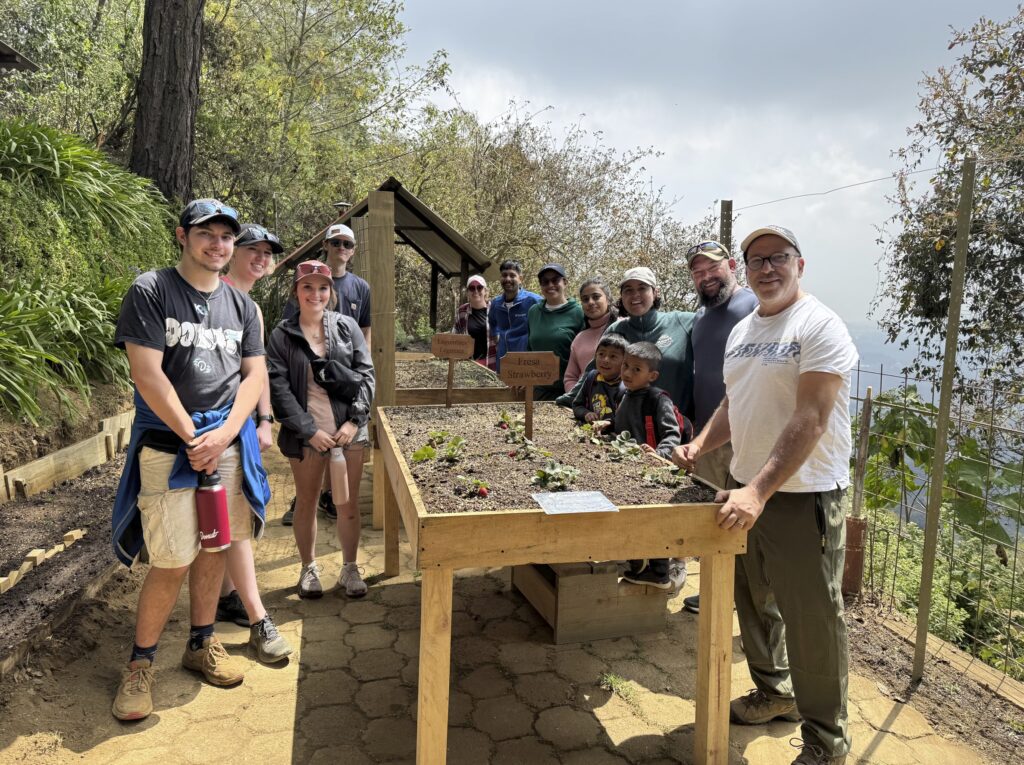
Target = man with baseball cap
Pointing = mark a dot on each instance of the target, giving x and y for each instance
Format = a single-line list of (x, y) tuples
[(506, 316), (196, 358), (786, 408)]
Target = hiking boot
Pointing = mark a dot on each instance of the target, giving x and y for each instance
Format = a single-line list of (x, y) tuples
[(758, 708), (268, 643), (230, 609), (812, 754), (645, 575), (351, 578), (215, 664), (134, 699), (289, 515), (677, 574), (309, 582), (326, 506), (692, 604)]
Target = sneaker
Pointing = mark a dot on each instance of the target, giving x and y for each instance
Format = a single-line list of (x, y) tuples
[(692, 604), (758, 708), (812, 754), (326, 506), (309, 582), (268, 643), (215, 663), (134, 699), (289, 515), (351, 578), (677, 574), (647, 576), (230, 609)]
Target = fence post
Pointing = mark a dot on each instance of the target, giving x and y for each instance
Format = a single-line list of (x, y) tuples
[(931, 528), (856, 524), (725, 225)]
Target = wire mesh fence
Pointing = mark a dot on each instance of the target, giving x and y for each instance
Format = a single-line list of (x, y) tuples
[(977, 591)]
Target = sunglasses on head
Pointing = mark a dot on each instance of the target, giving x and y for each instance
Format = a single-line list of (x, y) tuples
[(203, 207), (312, 268), (704, 247), (257, 234), (348, 244)]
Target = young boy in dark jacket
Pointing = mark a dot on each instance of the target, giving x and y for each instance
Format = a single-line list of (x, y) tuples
[(649, 415), (602, 389)]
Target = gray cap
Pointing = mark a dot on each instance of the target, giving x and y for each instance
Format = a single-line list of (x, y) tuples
[(778, 231)]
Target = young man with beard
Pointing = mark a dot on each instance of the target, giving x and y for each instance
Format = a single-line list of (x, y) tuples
[(197, 361), (786, 409), (723, 303), (506, 318)]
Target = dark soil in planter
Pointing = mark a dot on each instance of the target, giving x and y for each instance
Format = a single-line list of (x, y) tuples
[(433, 373), (41, 522), (509, 480)]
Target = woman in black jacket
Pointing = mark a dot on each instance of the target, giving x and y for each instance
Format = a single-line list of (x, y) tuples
[(321, 386)]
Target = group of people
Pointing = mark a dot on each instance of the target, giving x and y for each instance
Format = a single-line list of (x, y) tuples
[(762, 372), (207, 390)]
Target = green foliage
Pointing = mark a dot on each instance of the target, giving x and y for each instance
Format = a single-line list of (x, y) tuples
[(454, 449), (471, 487), (555, 476), (528, 451), (423, 454), (624, 448), (442, 445), (586, 435), (664, 476), (437, 437)]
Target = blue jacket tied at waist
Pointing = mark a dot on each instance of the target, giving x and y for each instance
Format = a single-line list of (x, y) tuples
[(127, 524)]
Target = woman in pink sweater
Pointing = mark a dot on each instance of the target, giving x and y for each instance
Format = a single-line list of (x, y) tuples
[(596, 298)]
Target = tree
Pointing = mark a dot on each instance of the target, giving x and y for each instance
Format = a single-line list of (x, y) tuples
[(976, 106), (163, 146)]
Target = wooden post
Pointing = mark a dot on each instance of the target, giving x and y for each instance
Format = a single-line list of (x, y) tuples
[(391, 524), (860, 466), (529, 412), (380, 264), (464, 276), (451, 346), (725, 224), (526, 369), (931, 528), (434, 272), (435, 666), (856, 523), (714, 660)]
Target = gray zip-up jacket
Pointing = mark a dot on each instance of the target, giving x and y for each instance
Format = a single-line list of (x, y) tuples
[(630, 416), (287, 364)]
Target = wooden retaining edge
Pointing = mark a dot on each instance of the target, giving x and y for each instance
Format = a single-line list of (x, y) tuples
[(47, 628), (36, 558), (988, 677), (71, 461)]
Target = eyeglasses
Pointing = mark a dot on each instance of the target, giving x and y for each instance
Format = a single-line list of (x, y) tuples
[(777, 259), (708, 246), (348, 244), (475, 288), (312, 268)]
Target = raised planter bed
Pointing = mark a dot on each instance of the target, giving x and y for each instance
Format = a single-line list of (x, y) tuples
[(517, 532), (422, 380)]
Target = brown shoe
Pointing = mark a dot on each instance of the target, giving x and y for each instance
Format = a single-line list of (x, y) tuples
[(758, 708), (217, 666), (134, 699), (812, 754)]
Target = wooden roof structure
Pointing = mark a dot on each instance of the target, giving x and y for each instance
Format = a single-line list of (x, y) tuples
[(11, 59)]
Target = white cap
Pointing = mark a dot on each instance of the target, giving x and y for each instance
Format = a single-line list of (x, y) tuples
[(476, 279), (640, 274), (339, 229), (779, 231)]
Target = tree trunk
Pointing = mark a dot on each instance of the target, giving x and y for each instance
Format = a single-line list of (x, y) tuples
[(163, 146)]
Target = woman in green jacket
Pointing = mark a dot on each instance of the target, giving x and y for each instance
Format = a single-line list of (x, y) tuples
[(553, 324)]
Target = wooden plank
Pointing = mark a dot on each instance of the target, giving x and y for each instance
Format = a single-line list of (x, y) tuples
[(435, 396), (62, 465), (380, 480), (4, 494), (714, 660), (469, 540), (413, 356), (109, 445), (118, 421), (435, 667), (35, 557), (407, 496), (625, 609), (391, 524), (538, 591)]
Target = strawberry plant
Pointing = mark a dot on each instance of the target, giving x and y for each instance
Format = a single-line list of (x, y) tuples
[(555, 476), (472, 487), (437, 437), (587, 435), (527, 450), (663, 476), (423, 454), (454, 449), (624, 447)]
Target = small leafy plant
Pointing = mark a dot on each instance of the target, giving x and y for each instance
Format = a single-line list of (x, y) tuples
[(663, 476), (527, 450), (454, 449), (472, 487), (555, 476), (423, 454), (505, 420), (624, 447), (437, 437), (587, 435)]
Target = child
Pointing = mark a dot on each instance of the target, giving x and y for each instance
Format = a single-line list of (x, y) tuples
[(601, 391), (650, 417)]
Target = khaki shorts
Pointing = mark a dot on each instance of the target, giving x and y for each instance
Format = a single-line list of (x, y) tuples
[(169, 523)]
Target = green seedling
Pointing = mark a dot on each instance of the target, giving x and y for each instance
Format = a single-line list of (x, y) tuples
[(587, 435), (437, 437), (555, 476), (527, 450), (423, 454), (663, 476), (472, 487), (454, 449), (624, 447), (505, 420)]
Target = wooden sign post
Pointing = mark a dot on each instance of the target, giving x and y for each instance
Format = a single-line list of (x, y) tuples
[(453, 347), (524, 370)]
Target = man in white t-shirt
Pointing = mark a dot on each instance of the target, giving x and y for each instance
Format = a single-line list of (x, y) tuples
[(786, 410)]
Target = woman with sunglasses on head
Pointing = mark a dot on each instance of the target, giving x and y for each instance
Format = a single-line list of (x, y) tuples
[(596, 298), (321, 386), (553, 325), (240, 601), (471, 319)]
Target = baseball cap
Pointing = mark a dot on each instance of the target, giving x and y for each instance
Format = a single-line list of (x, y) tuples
[(476, 279), (640, 274), (710, 249), (779, 231), (203, 210), (552, 267), (313, 269), (339, 229), (253, 233)]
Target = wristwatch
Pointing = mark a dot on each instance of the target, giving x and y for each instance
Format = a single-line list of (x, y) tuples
[(264, 418)]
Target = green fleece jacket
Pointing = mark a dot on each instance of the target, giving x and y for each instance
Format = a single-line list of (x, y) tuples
[(670, 331), (554, 331)]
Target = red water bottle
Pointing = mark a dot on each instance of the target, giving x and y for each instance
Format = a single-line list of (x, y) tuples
[(212, 510)]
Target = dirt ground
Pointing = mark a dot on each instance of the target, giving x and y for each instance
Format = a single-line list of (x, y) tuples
[(433, 373), (490, 458)]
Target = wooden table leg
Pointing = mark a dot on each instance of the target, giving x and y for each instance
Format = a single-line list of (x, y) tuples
[(714, 659), (380, 480), (391, 524), (435, 666)]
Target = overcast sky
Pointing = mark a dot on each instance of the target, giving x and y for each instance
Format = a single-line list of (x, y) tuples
[(748, 101)]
